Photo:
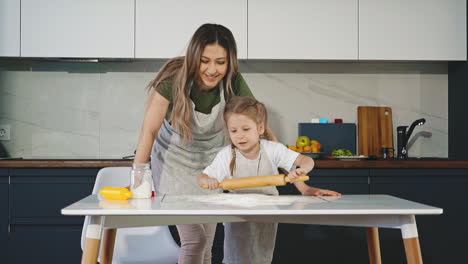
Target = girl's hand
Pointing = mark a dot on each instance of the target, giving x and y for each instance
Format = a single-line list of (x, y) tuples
[(212, 183), (294, 174), (311, 191)]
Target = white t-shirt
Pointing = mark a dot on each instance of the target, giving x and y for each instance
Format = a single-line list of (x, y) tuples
[(278, 154)]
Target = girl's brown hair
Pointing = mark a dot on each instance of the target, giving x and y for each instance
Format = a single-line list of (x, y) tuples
[(252, 109), (185, 69)]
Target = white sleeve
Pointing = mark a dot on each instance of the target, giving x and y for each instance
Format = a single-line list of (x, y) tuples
[(281, 156), (219, 167)]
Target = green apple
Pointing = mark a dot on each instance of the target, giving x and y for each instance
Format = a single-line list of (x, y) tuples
[(303, 141)]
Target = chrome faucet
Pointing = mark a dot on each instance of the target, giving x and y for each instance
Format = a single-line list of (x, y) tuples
[(403, 137)]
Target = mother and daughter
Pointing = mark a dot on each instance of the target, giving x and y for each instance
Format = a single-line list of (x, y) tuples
[(183, 131)]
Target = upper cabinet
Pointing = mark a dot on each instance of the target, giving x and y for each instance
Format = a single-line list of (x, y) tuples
[(296, 29), (412, 30), (72, 28), (164, 28), (9, 28), (421, 30)]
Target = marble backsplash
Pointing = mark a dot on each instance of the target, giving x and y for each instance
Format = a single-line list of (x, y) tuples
[(95, 110)]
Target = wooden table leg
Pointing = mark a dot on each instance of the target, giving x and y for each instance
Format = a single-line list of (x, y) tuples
[(108, 242), (413, 250), (373, 245), (93, 241), (409, 232)]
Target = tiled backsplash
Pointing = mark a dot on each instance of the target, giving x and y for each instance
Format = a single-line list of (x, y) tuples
[(95, 110)]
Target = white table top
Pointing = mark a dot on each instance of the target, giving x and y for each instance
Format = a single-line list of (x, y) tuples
[(251, 204)]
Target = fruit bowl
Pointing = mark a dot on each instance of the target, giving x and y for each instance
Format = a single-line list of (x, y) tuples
[(314, 155)]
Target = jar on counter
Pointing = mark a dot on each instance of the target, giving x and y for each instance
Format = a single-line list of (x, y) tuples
[(141, 180)]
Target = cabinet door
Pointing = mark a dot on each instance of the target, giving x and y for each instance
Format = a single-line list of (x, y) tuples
[(296, 243), (4, 215), (412, 30), (9, 28), (70, 28), (315, 29), (443, 238), (164, 28), (36, 223), (52, 244)]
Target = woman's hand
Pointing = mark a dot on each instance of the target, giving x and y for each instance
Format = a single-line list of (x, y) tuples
[(294, 174), (311, 191)]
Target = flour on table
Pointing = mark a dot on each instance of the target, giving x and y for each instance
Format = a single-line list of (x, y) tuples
[(244, 200)]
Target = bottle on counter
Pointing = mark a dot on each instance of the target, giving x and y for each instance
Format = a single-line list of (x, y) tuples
[(141, 180)]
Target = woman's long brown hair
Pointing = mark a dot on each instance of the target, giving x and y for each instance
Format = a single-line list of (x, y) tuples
[(252, 109), (186, 68)]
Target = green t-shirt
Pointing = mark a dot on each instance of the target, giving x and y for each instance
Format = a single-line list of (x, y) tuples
[(204, 100)]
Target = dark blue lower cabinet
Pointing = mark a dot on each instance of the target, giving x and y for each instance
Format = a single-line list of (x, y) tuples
[(3, 215), (39, 233), (297, 243), (443, 238), (45, 244)]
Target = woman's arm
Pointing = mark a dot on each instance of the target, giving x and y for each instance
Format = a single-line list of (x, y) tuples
[(154, 116)]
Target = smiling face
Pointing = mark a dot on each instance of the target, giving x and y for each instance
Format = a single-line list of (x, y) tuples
[(244, 133), (213, 66)]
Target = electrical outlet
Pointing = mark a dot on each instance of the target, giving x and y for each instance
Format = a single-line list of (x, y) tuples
[(4, 132)]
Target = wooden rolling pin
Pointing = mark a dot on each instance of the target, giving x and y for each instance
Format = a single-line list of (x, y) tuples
[(257, 181)]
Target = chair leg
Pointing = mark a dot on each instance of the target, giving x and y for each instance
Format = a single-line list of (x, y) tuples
[(108, 245), (373, 245)]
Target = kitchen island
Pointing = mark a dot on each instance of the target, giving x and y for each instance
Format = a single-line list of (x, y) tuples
[(32, 193)]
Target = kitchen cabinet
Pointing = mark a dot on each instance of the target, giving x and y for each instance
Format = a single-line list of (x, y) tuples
[(412, 30), (303, 30), (9, 28), (36, 198), (3, 213), (70, 28), (164, 29), (443, 238)]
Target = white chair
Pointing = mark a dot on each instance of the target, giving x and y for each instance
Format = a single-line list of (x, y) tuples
[(142, 245)]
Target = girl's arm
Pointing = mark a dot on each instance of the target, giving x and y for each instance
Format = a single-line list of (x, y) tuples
[(204, 179), (309, 190), (154, 116), (306, 164)]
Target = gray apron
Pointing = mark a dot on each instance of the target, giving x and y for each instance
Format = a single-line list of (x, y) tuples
[(254, 243), (176, 165)]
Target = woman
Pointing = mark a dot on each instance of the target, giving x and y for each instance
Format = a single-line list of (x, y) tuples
[(185, 116)]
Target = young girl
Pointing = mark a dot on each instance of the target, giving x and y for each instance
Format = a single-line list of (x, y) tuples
[(250, 155)]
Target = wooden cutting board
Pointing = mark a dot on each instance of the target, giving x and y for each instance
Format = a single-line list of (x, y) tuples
[(375, 130)]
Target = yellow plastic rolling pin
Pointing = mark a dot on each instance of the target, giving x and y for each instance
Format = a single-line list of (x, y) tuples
[(116, 193)]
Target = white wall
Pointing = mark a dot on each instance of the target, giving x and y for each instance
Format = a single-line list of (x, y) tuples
[(73, 110)]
